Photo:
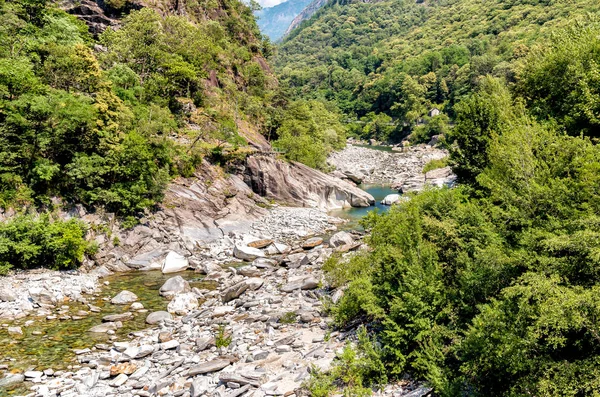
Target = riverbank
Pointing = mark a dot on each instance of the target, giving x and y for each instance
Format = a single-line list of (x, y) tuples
[(401, 170)]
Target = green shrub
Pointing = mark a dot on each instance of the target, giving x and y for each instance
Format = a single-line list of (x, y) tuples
[(28, 241), (223, 339), (435, 164)]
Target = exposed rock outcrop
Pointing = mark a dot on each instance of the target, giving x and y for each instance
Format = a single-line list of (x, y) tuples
[(298, 185)]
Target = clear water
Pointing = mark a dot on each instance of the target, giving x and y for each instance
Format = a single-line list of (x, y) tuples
[(354, 215), (54, 347)]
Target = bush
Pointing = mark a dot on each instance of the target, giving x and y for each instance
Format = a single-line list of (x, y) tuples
[(27, 241)]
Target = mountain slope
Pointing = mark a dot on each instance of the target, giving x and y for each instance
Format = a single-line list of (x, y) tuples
[(274, 21), (305, 15), (400, 58)]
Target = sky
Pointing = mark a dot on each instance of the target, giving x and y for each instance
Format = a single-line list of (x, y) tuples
[(269, 3)]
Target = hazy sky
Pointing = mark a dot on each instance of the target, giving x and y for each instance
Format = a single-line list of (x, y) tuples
[(269, 3)]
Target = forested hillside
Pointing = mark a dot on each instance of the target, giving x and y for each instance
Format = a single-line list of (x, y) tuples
[(398, 59), (108, 121), (491, 288)]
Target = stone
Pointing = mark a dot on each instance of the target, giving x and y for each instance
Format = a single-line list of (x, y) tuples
[(208, 367), (118, 317), (119, 380), (299, 185), (33, 374), (122, 368), (419, 392), (174, 285), (295, 261), (246, 253), (341, 238), (15, 330), (172, 344), (183, 303), (312, 243), (234, 291), (12, 380), (260, 243), (7, 295), (309, 283), (42, 296), (144, 350), (259, 355), (249, 271), (103, 328), (199, 386), (124, 298), (390, 199), (220, 311), (157, 317), (174, 263), (254, 283), (136, 306)]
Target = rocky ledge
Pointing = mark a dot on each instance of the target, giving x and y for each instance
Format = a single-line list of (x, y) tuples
[(401, 170)]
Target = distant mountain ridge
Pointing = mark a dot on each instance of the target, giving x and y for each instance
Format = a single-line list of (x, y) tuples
[(306, 13), (274, 21)]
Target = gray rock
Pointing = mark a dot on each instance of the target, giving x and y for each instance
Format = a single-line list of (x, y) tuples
[(310, 283), (103, 328), (174, 285), (199, 386), (312, 242), (7, 295), (183, 303), (156, 317), (391, 199), (124, 298), (295, 261), (12, 380), (234, 291), (208, 367), (42, 296), (15, 330), (254, 283), (419, 392), (118, 317), (341, 238), (246, 253), (174, 263)]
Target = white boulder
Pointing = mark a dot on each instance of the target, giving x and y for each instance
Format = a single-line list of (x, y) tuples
[(174, 263)]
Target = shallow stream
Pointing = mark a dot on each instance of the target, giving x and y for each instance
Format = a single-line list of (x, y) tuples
[(354, 215)]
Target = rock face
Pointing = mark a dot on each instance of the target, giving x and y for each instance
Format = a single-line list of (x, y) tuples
[(391, 199), (298, 185)]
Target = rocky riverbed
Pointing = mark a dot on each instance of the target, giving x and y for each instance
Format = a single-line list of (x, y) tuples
[(399, 169), (254, 326)]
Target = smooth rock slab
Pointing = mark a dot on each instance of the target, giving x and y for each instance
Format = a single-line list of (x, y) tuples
[(7, 295), (390, 199), (235, 291), (174, 263), (124, 298), (157, 317), (11, 380), (246, 253), (208, 367), (312, 243), (15, 331)]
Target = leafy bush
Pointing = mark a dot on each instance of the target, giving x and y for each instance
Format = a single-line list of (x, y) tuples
[(27, 241), (435, 164)]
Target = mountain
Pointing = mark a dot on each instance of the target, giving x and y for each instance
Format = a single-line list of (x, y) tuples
[(305, 15), (400, 58), (273, 21)]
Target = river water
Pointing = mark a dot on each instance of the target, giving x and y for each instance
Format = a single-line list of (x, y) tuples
[(354, 215)]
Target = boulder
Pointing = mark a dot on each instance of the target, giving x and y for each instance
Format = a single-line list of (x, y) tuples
[(12, 380), (124, 298), (174, 263), (246, 253), (254, 283), (312, 242), (391, 199), (111, 318), (157, 317), (309, 283), (174, 285), (183, 303), (299, 185), (341, 238)]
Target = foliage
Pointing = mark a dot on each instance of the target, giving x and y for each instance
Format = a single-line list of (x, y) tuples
[(288, 318), (28, 241), (308, 132), (222, 339), (490, 288), (102, 127), (437, 125), (435, 164), (400, 58)]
